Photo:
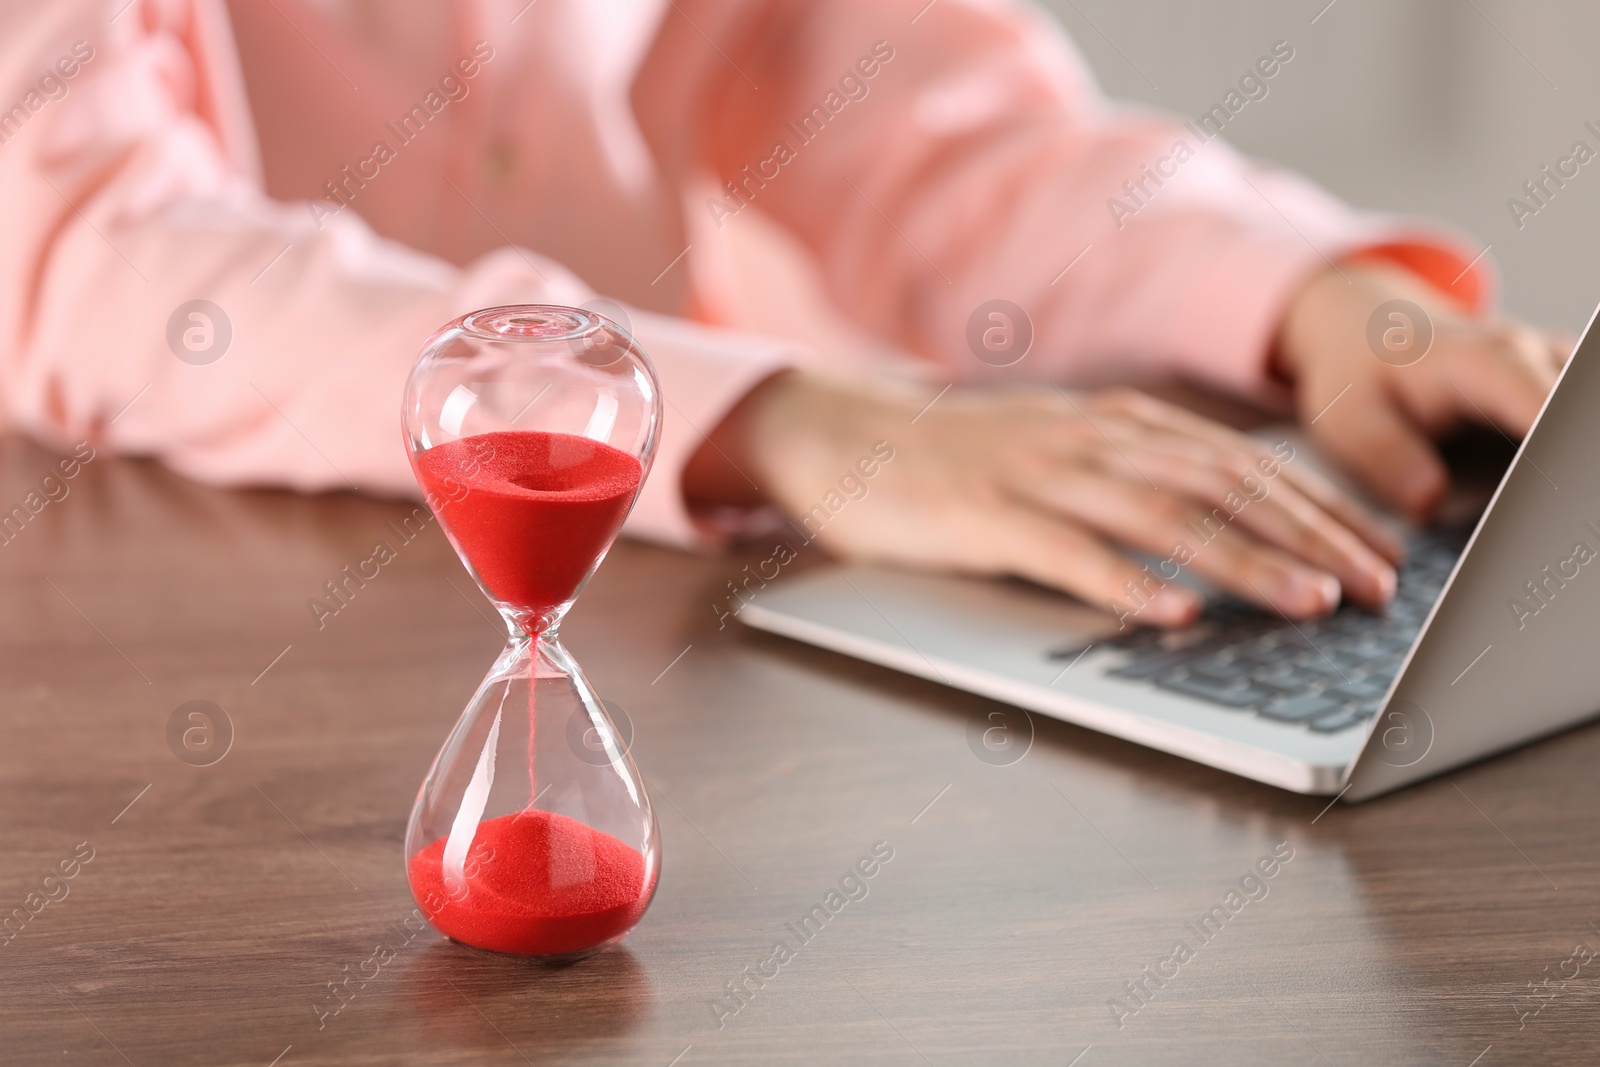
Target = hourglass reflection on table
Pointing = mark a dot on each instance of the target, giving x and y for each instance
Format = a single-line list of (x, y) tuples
[(531, 429)]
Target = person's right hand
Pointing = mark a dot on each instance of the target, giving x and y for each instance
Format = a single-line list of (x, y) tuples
[(1047, 485), (1474, 368)]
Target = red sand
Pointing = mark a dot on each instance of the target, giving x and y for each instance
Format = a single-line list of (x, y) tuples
[(547, 885), (538, 509)]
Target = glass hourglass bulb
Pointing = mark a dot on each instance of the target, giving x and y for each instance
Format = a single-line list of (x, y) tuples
[(531, 429)]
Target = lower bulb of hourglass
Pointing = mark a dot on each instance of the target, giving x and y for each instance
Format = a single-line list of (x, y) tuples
[(532, 834)]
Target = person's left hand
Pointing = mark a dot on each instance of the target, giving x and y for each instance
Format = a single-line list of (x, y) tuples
[(1377, 415)]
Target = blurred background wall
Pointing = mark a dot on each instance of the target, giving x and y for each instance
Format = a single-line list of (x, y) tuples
[(1433, 107)]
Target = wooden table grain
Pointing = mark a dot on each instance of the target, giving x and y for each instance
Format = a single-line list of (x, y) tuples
[(1030, 913)]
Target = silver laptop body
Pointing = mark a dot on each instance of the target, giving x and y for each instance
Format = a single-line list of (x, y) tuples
[(1494, 640)]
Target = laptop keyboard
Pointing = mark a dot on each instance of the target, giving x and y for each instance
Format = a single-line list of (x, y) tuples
[(1326, 675)]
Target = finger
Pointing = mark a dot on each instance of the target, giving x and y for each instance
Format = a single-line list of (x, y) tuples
[(1212, 544), (1342, 536), (1503, 381), (1366, 431), (1131, 417), (1349, 513), (1279, 514), (1561, 346), (1054, 553), (1266, 576)]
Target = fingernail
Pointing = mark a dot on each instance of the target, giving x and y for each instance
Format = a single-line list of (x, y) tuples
[(1391, 545), (1176, 607), (1421, 488), (1384, 582), (1309, 593)]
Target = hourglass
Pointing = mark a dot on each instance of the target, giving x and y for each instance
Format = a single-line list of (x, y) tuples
[(531, 429)]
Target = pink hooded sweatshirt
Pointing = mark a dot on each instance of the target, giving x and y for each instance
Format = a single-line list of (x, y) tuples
[(341, 177)]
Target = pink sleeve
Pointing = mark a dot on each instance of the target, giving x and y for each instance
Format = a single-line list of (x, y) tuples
[(135, 192), (937, 156)]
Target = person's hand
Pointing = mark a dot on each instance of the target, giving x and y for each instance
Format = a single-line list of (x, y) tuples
[(1375, 407), (1047, 485)]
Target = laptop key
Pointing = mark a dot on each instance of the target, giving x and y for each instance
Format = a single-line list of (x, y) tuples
[(1332, 724), (1149, 666), (1301, 709), (1279, 687), (1322, 673), (1365, 689), (1230, 696), (1217, 674)]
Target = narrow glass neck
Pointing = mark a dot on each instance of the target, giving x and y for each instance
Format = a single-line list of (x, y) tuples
[(526, 625), (527, 657)]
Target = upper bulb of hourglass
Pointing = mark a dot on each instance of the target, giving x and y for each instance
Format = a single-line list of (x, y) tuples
[(531, 429)]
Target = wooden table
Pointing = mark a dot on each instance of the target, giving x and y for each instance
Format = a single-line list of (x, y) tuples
[(221, 900)]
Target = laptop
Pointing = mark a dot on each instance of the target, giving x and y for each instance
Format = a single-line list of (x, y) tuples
[(1490, 642)]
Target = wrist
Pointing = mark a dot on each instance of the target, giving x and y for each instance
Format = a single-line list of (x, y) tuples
[(1305, 317), (1326, 318), (793, 429), (721, 472)]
